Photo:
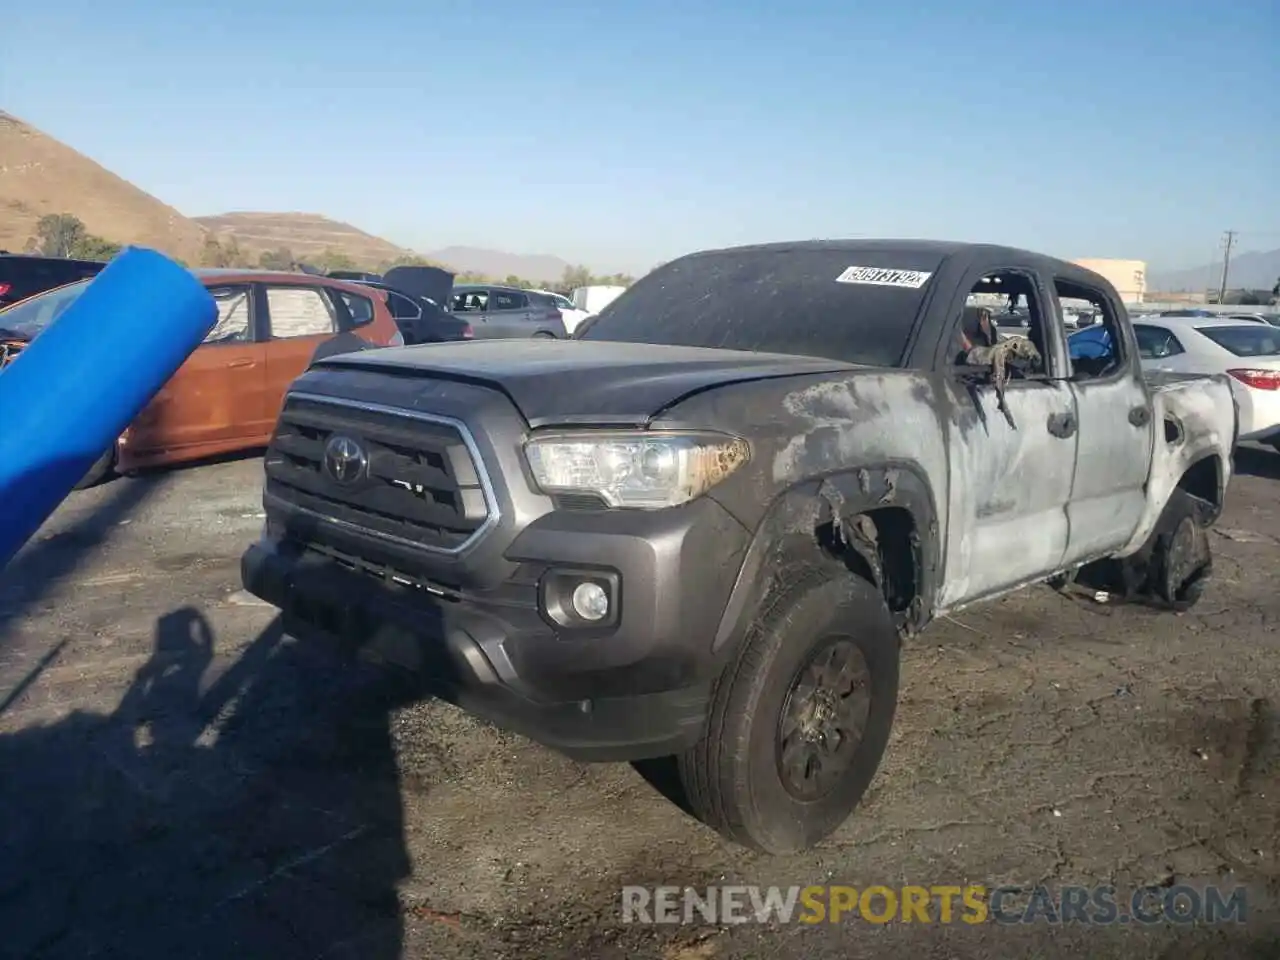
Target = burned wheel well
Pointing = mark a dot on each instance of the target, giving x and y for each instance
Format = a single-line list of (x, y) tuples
[(1203, 481), (881, 545)]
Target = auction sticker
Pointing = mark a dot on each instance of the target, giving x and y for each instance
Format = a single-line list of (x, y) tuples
[(885, 277)]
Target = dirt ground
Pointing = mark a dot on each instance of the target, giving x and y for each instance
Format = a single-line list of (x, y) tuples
[(179, 780)]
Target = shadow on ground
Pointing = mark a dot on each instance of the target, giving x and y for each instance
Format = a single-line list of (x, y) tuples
[(37, 570), (260, 817), (1257, 462)]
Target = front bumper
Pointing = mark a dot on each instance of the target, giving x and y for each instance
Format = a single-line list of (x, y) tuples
[(635, 688)]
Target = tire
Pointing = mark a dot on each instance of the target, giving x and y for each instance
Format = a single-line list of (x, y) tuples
[(734, 777), (1170, 570), (544, 335), (102, 468), (1181, 560)]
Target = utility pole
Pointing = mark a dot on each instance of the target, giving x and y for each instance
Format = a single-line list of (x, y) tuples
[(1226, 265)]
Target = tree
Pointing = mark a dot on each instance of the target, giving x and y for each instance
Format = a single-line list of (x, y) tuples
[(410, 260), (224, 254), (279, 259), (90, 247), (331, 260), (58, 233), (574, 277), (64, 235)]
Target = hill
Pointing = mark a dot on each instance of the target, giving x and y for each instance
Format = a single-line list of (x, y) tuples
[(1255, 270), (306, 234), (40, 175), (494, 263)]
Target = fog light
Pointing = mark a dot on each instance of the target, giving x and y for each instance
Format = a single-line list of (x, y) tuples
[(590, 602)]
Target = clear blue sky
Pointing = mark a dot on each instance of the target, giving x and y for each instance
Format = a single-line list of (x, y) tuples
[(620, 133)]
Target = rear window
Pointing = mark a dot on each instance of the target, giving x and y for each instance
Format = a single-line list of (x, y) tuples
[(1246, 340), (360, 308), (853, 306)]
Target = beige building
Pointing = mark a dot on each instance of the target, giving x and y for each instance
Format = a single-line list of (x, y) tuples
[(1129, 277)]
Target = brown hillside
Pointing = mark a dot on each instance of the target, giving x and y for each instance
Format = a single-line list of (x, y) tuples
[(306, 234), (39, 175)]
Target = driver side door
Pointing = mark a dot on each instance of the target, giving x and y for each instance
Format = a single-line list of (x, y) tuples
[(1010, 476)]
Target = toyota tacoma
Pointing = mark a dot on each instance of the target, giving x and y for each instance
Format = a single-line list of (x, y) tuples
[(698, 535)]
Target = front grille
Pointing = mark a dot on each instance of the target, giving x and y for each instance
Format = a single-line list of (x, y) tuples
[(419, 483)]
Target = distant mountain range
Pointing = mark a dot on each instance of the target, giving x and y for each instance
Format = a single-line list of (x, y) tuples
[(310, 234), (494, 263), (305, 234), (1254, 270)]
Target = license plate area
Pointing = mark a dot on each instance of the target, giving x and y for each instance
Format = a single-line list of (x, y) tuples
[(345, 621)]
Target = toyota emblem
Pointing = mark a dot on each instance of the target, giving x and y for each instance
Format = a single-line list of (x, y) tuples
[(344, 459)]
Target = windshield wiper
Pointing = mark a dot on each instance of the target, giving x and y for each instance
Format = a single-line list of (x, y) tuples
[(13, 334)]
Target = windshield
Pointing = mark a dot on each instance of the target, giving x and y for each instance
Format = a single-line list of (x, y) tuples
[(855, 306), (33, 315), (1246, 340)]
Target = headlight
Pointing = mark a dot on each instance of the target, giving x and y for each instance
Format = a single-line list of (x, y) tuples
[(645, 470)]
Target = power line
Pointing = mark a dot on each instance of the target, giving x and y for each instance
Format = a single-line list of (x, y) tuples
[(1226, 264)]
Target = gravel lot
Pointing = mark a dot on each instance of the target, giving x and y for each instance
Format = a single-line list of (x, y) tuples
[(179, 780)]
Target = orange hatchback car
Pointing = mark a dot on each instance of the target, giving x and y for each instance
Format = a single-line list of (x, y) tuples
[(227, 395)]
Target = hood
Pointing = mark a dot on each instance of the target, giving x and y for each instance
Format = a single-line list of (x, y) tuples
[(430, 282), (578, 382)]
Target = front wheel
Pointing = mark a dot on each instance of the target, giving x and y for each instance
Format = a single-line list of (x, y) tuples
[(801, 718)]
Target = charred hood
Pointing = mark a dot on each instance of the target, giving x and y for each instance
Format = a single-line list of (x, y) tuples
[(584, 381)]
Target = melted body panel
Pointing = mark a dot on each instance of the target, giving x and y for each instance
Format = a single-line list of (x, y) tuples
[(1195, 419), (1109, 495), (1006, 519)]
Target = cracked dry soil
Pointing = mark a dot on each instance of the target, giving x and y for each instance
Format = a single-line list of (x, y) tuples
[(181, 780)]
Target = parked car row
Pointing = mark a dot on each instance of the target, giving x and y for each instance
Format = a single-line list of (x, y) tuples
[(271, 326), (226, 396), (1247, 350)]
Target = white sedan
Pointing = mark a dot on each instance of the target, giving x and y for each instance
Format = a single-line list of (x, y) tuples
[(1248, 352), (571, 315)]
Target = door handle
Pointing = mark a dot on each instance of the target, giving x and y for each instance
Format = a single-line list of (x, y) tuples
[(1140, 416), (1062, 424), (236, 364)]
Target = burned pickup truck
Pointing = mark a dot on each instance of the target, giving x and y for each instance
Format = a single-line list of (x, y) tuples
[(698, 535)]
